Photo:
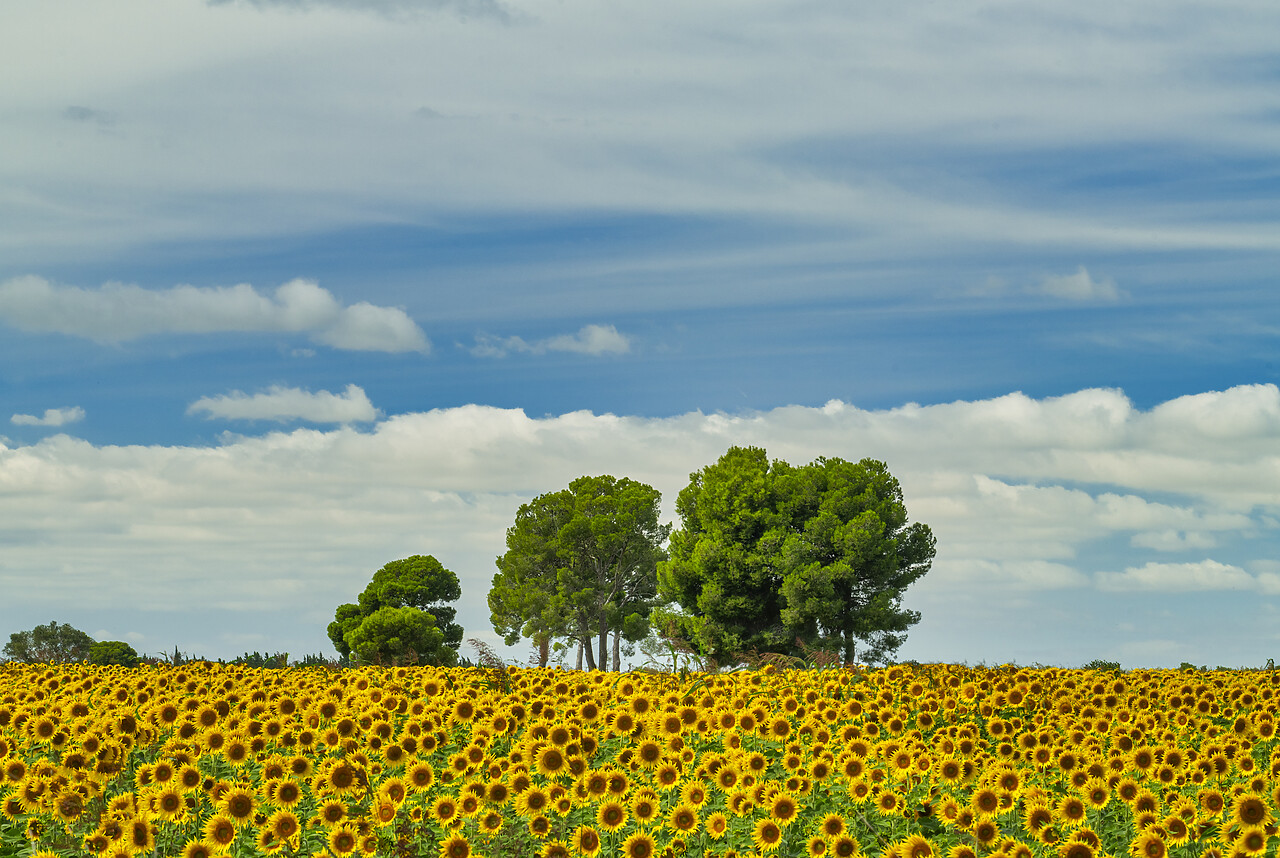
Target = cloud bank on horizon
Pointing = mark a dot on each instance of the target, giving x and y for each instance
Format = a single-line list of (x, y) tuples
[(1044, 511), (234, 234)]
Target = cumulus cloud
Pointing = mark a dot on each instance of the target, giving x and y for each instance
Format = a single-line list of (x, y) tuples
[(51, 417), (589, 340), (283, 404), (118, 312), (1080, 286), (1034, 503), (1178, 578)]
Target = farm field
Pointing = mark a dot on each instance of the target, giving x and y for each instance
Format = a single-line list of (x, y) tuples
[(906, 762)]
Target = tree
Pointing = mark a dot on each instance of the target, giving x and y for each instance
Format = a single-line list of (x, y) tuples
[(402, 587), (113, 652), (400, 636), (53, 643), (770, 554), (581, 563)]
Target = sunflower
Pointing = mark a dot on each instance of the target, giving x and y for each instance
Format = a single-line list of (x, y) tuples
[(532, 800), (239, 804), (639, 845), (1212, 801), (168, 804), (1252, 840), (343, 840), (767, 834), (586, 840), (445, 809), (1071, 811), (985, 831), (1176, 831), (611, 815), (196, 849), (140, 835), (420, 776), (644, 807), (1035, 817), (332, 812), (888, 803), (916, 846), (667, 775), (783, 808), (716, 826), (961, 850), (683, 817), (694, 792), (1148, 845), (220, 831), (832, 825), (455, 846), (845, 846), (1250, 810), (985, 802)]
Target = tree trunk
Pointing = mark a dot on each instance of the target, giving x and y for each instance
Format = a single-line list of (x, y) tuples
[(544, 651), (617, 656), (604, 641), (848, 646), (591, 659), (579, 667)]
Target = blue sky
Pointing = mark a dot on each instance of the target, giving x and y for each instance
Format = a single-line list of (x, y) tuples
[(292, 288)]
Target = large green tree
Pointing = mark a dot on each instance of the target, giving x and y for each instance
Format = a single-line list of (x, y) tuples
[(390, 619), (53, 643), (581, 563), (769, 554)]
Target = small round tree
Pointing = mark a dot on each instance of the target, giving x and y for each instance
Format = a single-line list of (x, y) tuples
[(389, 624)]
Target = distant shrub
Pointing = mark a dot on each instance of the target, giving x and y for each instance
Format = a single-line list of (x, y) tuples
[(1101, 664)]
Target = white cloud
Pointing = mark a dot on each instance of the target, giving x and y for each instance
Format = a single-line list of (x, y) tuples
[(118, 312), (1173, 540), (1178, 578), (51, 417), (1080, 286), (589, 340), (283, 404), (1024, 496)]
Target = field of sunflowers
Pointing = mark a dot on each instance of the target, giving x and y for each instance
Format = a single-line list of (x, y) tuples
[(908, 762)]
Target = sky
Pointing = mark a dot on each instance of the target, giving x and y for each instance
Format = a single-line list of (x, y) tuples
[(290, 289)]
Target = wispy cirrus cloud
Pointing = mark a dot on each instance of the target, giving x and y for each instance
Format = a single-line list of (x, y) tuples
[(589, 340), (283, 404), (119, 312), (52, 417)]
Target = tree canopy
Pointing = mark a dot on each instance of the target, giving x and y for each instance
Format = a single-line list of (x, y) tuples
[(113, 652), (581, 562), (769, 554), (400, 617), (54, 643)]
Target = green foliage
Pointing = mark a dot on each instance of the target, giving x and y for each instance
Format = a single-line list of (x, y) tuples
[(404, 635), (388, 625), (1101, 664), (113, 652), (257, 659), (774, 558), (581, 563), (53, 643)]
